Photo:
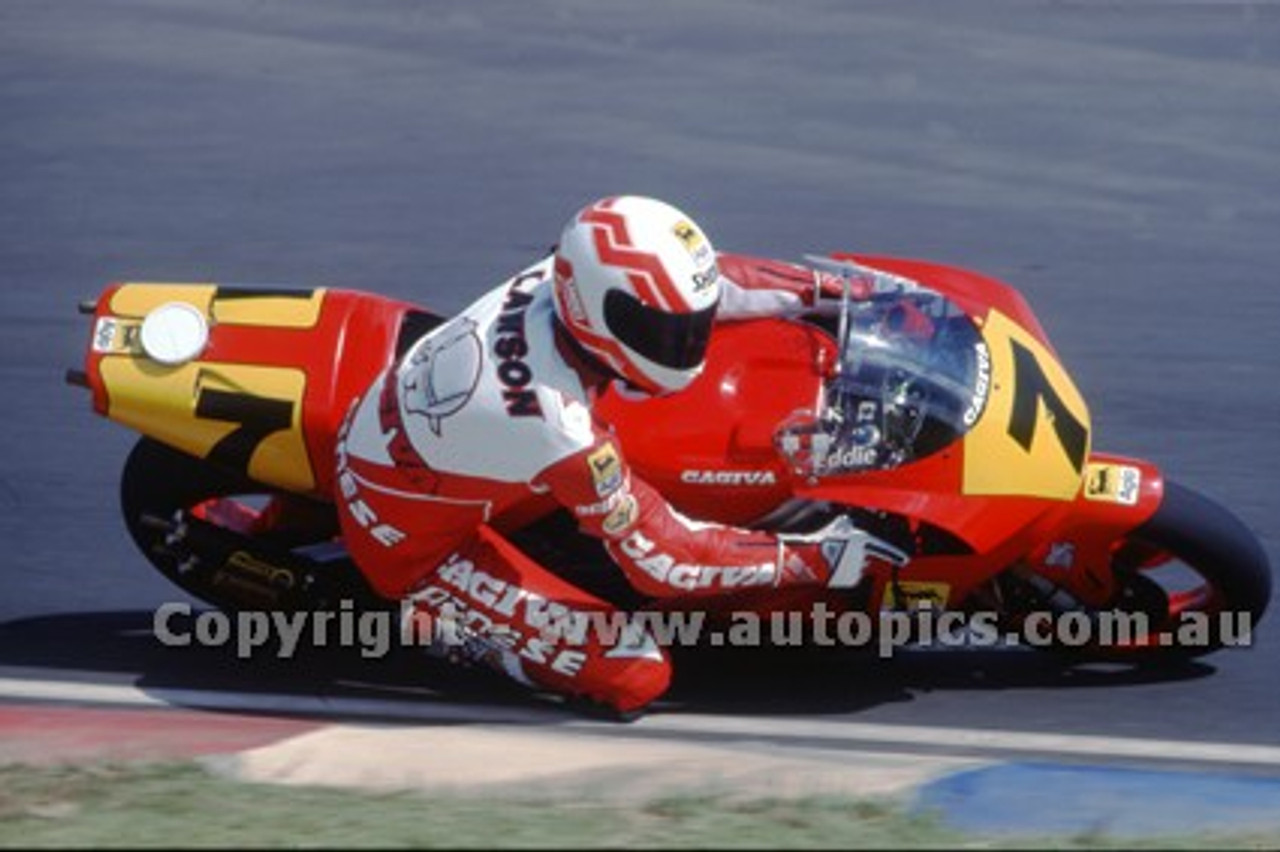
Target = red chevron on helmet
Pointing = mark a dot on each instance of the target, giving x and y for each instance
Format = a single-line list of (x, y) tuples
[(644, 269), (637, 285)]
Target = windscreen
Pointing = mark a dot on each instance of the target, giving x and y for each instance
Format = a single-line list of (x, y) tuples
[(913, 376)]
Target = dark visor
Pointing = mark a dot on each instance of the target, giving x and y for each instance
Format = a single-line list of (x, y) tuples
[(676, 341)]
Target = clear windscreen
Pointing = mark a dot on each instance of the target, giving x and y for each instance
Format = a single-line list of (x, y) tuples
[(913, 376)]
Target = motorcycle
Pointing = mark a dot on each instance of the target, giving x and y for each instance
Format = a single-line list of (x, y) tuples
[(932, 410)]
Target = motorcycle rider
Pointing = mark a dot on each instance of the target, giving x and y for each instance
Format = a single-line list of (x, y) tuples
[(486, 421)]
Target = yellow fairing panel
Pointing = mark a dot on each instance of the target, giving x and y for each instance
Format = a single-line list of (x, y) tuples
[(243, 416), (278, 311), (138, 300), (224, 304), (1033, 438)]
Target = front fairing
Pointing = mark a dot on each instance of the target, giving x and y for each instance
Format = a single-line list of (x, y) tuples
[(1014, 454), (947, 406)]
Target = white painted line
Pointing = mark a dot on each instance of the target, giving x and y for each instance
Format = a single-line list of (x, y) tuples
[(973, 739), (827, 732)]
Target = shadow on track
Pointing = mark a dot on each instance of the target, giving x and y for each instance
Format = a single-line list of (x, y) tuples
[(116, 647)]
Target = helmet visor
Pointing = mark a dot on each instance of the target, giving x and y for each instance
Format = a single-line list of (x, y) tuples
[(676, 341)]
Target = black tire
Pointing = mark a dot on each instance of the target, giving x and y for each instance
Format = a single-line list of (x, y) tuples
[(158, 488), (1202, 540), (1216, 545), (1196, 539)]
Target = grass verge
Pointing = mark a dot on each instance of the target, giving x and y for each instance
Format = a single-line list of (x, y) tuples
[(181, 805)]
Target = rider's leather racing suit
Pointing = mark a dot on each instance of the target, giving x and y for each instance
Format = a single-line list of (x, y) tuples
[(483, 422)]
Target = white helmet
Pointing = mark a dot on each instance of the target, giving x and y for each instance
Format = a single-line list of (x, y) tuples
[(636, 284)]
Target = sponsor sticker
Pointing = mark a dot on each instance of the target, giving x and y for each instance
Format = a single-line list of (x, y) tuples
[(706, 278), (700, 250), (1112, 483), (622, 516), (916, 593), (604, 507), (606, 470), (104, 335), (689, 236), (111, 334)]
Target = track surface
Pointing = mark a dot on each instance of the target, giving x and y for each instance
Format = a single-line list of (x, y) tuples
[(1120, 163)]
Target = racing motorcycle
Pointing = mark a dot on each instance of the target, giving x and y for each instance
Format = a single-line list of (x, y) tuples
[(932, 410)]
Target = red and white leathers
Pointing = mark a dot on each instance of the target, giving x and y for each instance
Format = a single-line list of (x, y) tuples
[(484, 423)]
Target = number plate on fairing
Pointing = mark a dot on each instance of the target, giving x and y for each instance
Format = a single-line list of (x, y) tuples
[(115, 335), (1033, 437), (241, 416)]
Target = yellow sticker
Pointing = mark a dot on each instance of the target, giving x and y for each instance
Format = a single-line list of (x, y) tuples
[(606, 470), (1033, 436), (915, 594), (688, 235), (622, 517), (1112, 483)]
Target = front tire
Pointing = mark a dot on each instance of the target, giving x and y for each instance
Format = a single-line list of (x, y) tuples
[(1216, 548)]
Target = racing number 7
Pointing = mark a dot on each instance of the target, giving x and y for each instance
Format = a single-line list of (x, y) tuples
[(1031, 386), (258, 416)]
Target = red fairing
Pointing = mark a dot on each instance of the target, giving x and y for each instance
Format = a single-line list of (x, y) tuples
[(709, 449), (972, 291)]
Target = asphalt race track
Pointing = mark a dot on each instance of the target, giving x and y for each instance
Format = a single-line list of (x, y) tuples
[(1119, 162)]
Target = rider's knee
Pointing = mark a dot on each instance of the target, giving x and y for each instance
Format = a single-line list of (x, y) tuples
[(635, 686)]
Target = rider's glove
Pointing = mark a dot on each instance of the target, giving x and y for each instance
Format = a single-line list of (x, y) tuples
[(828, 290), (813, 289), (835, 555)]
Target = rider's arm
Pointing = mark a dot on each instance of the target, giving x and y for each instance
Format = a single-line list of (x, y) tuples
[(662, 552), (758, 286)]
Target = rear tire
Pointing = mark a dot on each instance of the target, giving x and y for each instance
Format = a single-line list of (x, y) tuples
[(230, 569)]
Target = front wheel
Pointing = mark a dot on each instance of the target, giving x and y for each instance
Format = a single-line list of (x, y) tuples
[(1205, 574), (1189, 581)]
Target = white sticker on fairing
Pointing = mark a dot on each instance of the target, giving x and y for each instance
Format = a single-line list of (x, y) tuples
[(1113, 483), (104, 334)]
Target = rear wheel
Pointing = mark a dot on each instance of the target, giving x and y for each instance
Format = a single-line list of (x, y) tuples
[(233, 542)]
